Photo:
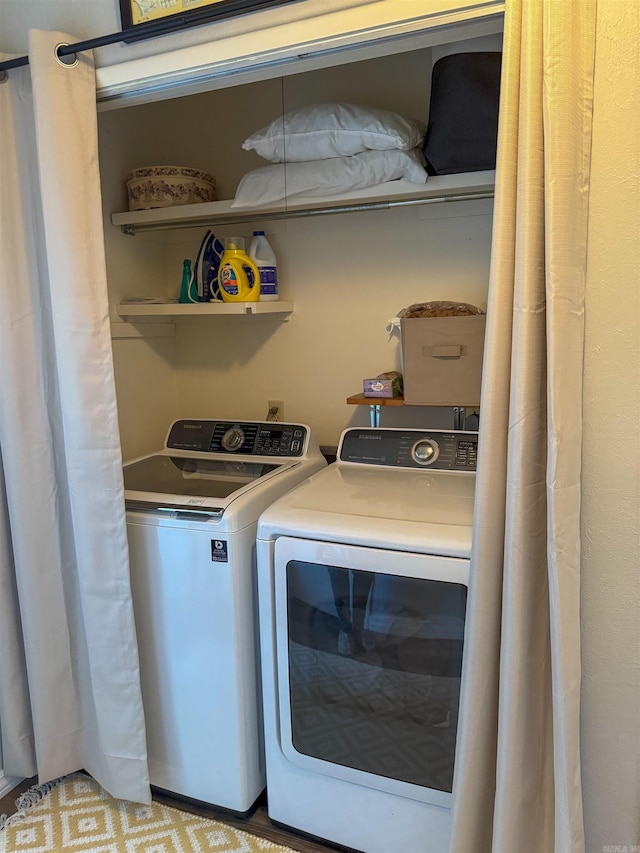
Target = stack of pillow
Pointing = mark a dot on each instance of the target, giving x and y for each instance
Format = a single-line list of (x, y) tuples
[(325, 149)]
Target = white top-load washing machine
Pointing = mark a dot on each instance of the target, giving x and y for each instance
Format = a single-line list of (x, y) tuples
[(192, 512), (362, 575)]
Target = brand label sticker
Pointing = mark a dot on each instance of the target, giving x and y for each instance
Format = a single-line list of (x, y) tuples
[(219, 551), (229, 280)]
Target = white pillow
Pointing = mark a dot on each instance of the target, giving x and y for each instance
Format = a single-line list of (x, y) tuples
[(321, 131), (326, 177)]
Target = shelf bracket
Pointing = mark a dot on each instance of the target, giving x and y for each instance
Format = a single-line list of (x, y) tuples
[(459, 417), (374, 415)]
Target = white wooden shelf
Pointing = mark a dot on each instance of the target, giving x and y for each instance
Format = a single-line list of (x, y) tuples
[(201, 309), (440, 188)]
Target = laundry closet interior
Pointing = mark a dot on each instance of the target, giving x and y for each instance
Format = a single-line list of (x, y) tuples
[(341, 276)]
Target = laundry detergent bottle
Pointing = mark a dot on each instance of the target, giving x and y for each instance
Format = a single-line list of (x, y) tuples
[(238, 276)]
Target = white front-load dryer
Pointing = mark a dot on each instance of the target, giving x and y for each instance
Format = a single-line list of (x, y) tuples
[(192, 512), (362, 574)]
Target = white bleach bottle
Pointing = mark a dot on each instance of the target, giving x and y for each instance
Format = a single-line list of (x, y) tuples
[(264, 258)]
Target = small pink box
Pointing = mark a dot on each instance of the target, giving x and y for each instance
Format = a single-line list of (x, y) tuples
[(386, 385)]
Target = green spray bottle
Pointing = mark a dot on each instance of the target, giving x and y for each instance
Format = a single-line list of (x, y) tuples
[(189, 286)]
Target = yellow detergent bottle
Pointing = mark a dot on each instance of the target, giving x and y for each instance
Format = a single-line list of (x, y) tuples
[(233, 278)]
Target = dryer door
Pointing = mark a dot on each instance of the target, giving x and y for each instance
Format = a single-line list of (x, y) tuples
[(369, 657)]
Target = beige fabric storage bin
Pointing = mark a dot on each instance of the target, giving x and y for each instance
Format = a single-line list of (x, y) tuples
[(442, 360)]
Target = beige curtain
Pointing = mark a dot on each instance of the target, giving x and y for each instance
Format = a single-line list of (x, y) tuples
[(517, 781), (70, 694)]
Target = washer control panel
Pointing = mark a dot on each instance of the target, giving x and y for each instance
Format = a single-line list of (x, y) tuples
[(252, 438), (409, 448)]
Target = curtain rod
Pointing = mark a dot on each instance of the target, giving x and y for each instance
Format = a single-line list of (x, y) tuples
[(152, 29), (69, 49)]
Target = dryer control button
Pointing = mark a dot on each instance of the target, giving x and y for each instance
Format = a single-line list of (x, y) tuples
[(425, 451), (233, 438)]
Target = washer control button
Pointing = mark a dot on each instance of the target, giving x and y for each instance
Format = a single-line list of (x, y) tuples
[(425, 451), (233, 439)]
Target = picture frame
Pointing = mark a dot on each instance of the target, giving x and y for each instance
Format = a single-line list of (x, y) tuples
[(142, 18)]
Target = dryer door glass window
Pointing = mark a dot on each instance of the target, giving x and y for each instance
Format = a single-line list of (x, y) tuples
[(374, 670)]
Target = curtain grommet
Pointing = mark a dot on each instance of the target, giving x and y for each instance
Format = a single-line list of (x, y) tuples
[(69, 60), (4, 76)]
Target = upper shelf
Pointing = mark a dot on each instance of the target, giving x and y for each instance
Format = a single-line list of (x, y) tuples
[(440, 188)]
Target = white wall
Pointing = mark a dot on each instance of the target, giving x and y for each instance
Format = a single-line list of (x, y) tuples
[(611, 470), (144, 369), (346, 274)]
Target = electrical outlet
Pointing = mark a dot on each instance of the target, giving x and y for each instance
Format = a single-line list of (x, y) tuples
[(279, 414)]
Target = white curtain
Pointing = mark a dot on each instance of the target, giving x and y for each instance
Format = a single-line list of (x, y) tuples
[(69, 679), (517, 781)]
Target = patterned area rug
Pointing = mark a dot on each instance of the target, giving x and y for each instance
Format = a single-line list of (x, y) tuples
[(76, 814)]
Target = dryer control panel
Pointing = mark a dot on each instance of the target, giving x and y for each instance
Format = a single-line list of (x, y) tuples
[(252, 438), (441, 450)]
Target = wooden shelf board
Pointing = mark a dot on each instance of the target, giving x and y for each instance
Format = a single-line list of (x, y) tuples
[(389, 194), (202, 309), (361, 400)]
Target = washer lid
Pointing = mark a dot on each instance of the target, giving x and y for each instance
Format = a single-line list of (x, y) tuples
[(191, 481)]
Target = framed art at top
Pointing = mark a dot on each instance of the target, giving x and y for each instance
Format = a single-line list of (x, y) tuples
[(170, 15)]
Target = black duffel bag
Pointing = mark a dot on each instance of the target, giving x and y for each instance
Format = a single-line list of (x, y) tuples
[(463, 113)]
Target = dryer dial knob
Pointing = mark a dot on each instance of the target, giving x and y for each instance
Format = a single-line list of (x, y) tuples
[(233, 439), (425, 451)]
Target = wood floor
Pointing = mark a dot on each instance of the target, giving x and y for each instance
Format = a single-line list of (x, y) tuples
[(258, 824)]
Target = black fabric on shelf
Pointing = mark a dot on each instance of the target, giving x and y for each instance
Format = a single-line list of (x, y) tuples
[(463, 113)]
